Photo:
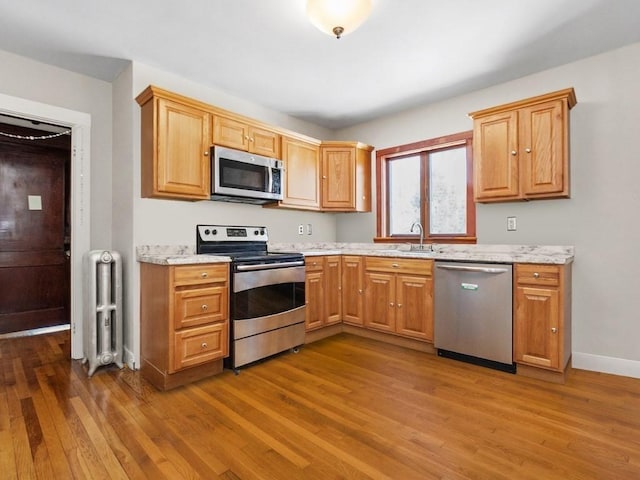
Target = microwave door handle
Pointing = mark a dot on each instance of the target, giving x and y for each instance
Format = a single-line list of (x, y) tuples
[(270, 186)]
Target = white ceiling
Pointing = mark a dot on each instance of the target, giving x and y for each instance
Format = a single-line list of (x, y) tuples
[(408, 52)]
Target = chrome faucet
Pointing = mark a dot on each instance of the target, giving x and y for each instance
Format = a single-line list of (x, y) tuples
[(419, 225)]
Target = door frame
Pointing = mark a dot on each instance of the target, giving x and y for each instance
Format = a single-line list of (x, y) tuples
[(80, 124)]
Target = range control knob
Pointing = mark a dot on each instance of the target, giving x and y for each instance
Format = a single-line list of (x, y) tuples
[(206, 231), (256, 232), (214, 232), (262, 232)]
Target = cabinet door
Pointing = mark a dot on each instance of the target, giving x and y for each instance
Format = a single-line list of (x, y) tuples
[(264, 142), (363, 179), (537, 329), (333, 290), (182, 159), (542, 149), (495, 150), (352, 289), (314, 293), (380, 298), (414, 317), (338, 178), (230, 133), (301, 176)]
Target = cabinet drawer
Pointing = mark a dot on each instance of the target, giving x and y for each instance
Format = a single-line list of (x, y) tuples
[(545, 275), (314, 264), (199, 274), (399, 265), (198, 345), (197, 306)]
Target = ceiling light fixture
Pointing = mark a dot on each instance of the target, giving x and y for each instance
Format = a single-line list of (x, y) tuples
[(338, 17)]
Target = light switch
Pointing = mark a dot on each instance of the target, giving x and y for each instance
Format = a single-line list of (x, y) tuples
[(511, 224)]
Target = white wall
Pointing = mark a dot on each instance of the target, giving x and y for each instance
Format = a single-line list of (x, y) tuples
[(601, 217), (123, 207)]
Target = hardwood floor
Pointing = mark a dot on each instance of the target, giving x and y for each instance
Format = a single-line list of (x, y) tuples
[(344, 407)]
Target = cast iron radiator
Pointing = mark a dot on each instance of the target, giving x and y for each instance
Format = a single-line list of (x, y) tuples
[(102, 311)]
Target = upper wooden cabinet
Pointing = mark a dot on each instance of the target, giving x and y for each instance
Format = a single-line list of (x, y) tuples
[(175, 147), (346, 176), (234, 133), (521, 149), (177, 134), (301, 186)]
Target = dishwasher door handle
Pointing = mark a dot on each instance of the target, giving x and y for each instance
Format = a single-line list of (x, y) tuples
[(464, 268)]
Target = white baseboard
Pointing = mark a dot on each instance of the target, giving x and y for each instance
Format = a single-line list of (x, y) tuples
[(130, 359), (600, 363)]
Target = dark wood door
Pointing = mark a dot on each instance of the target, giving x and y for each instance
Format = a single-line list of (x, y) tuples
[(34, 233)]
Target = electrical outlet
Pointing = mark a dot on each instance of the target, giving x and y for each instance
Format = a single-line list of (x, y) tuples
[(300, 229), (511, 224), (309, 230)]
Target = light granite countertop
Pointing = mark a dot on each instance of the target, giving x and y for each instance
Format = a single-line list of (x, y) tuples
[(551, 254)]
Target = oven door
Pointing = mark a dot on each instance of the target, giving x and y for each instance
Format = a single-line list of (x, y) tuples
[(241, 174), (267, 290)]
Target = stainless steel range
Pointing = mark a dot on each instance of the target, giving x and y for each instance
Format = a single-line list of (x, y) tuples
[(267, 292)]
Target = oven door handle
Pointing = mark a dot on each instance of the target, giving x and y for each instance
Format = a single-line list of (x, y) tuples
[(269, 266)]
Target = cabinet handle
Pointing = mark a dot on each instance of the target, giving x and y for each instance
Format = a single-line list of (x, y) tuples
[(204, 307), (246, 137), (206, 154), (251, 139), (204, 274), (528, 150), (324, 177), (554, 329), (391, 304), (395, 265), (514, 153), (536, 275), (399, 305), (204, 345), (360, 291)]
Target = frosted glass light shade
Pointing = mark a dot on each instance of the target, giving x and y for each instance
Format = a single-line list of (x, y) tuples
[(338, 17)]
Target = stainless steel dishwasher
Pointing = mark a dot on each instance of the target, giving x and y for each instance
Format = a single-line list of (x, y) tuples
[(473, 305)]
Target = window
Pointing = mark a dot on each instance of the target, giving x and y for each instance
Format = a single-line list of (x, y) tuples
[(428, 182)]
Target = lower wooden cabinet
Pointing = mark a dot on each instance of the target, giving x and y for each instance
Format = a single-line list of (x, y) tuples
[(399, 296), (323, 291), (184, 322), (353, 289), (542, 316)]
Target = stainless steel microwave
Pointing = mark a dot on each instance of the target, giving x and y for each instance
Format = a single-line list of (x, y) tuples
[(243, 177)]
